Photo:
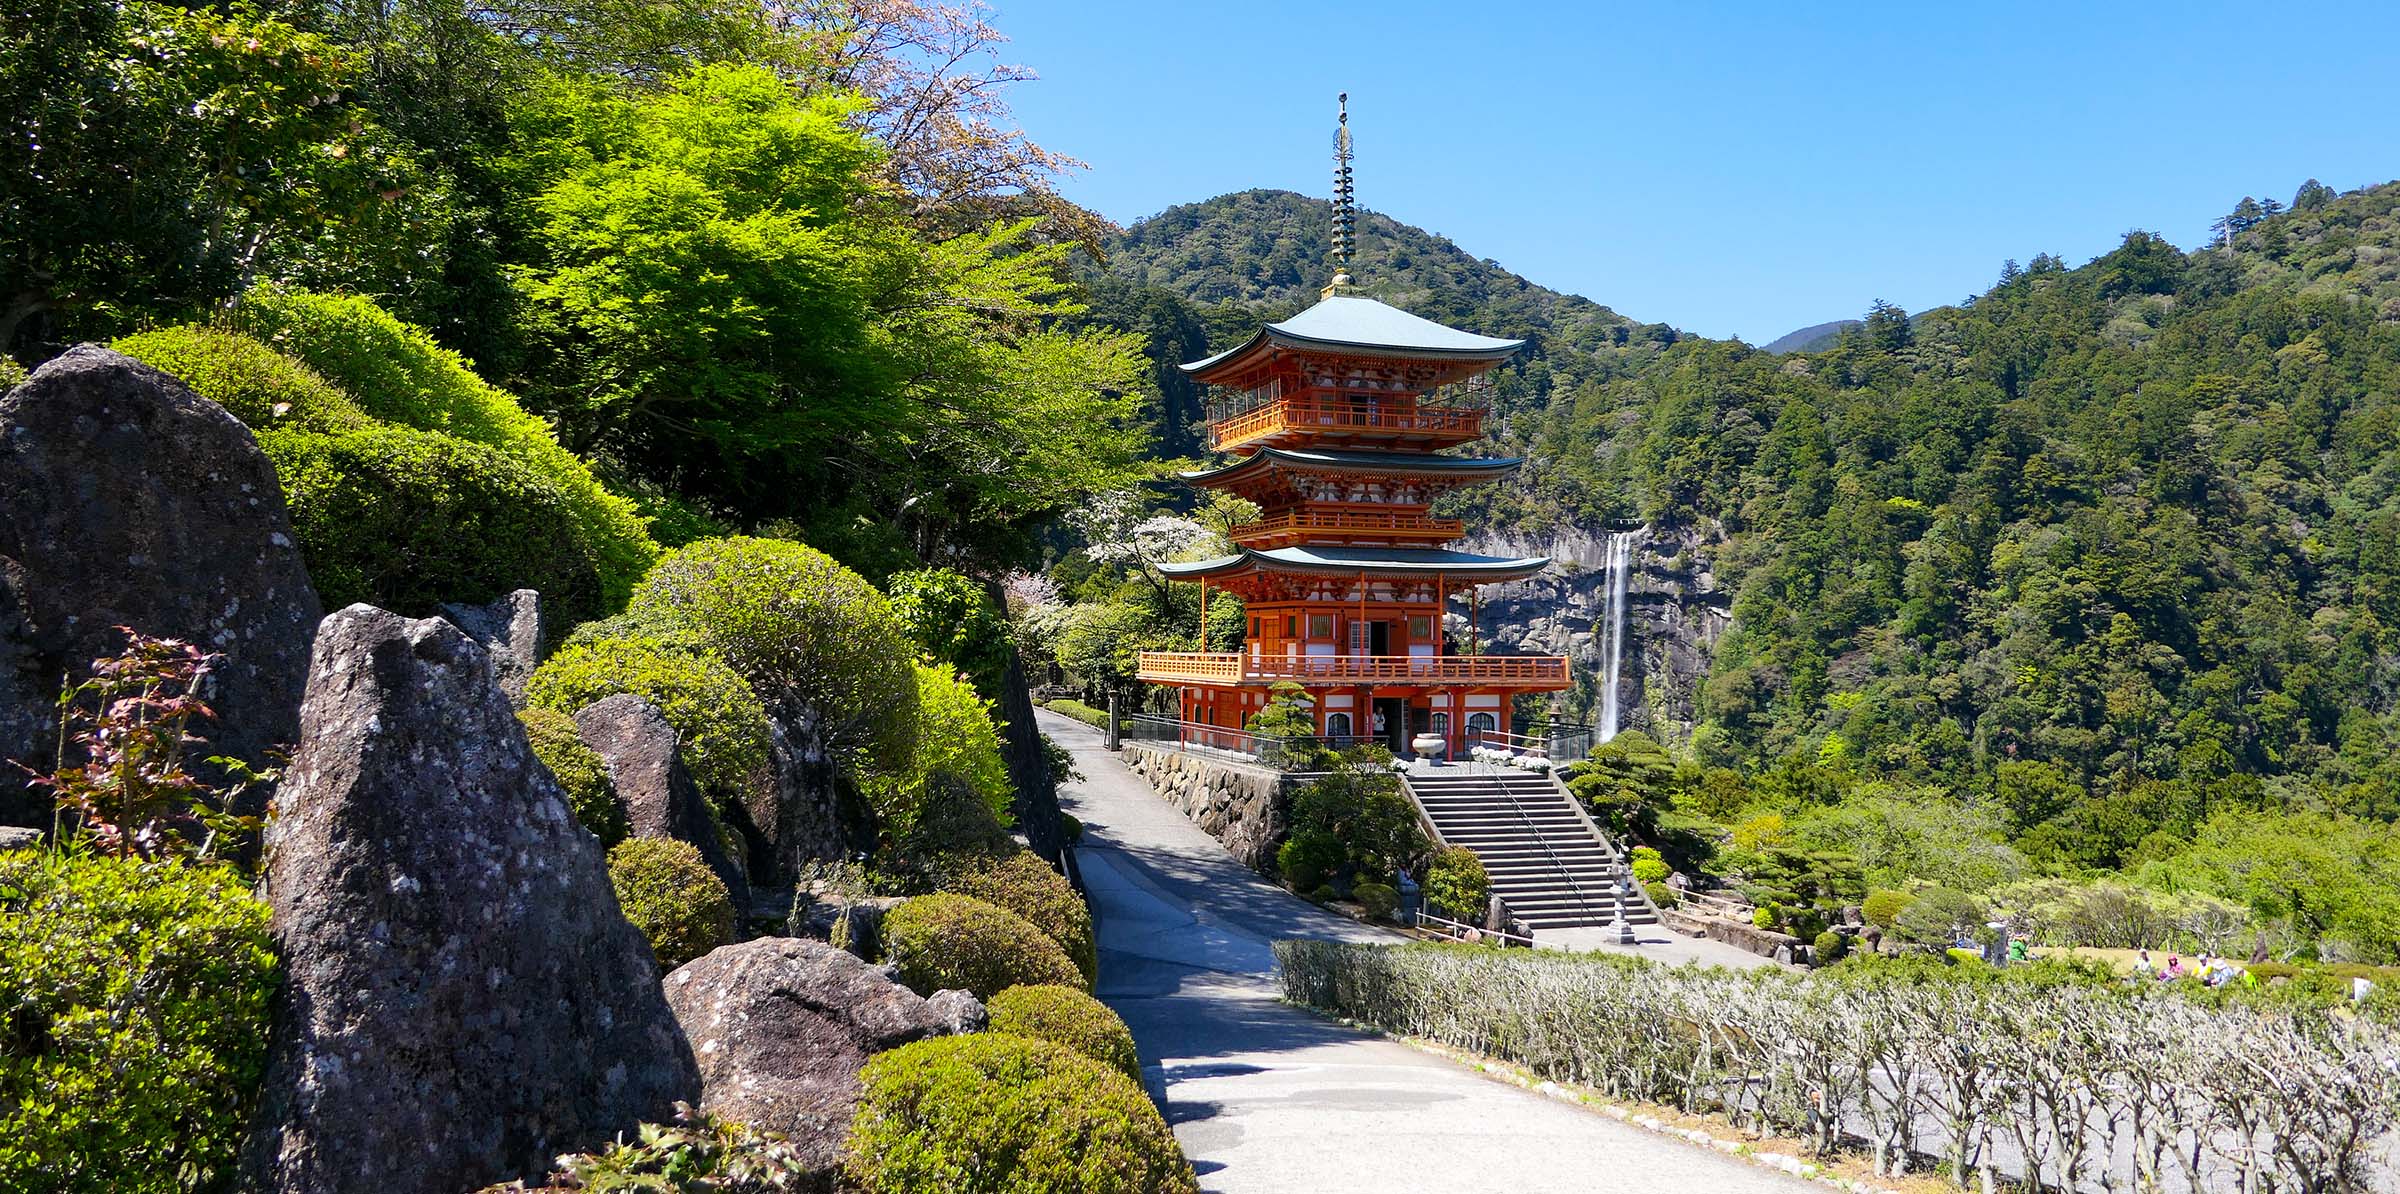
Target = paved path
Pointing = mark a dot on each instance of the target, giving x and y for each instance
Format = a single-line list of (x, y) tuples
[(1267, 1098)]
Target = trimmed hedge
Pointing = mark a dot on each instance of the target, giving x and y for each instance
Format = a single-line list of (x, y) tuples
[(990, 1112), (672, 897), (396, 373), (800, 627), (722, 724), (1066, 1016), (260, 386), (410, 519), (1096, 718), (946, 941), (135, 1001), (1021, 883), (580, 772)]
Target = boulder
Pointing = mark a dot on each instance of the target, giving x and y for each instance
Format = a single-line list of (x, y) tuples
[(959, 1011), (465, 1000), (510, 632), (128, 500), (661, 798), (782, 1026), (796, 814), (14, 838)]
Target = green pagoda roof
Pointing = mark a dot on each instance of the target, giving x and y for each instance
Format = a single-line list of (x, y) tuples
[(1471, 468), (1346, 321), (1349, 561)]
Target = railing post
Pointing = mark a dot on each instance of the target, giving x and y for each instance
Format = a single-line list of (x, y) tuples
[(1116, 732)]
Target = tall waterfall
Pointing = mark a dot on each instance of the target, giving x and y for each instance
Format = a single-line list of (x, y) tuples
[(1620, 568)]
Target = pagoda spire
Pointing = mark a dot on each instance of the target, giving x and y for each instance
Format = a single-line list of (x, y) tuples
[(1345, 204)]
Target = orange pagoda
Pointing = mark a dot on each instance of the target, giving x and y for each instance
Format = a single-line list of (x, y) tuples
[(1342, 416)]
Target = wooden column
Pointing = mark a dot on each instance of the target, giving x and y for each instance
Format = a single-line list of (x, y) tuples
[(1441, 606)]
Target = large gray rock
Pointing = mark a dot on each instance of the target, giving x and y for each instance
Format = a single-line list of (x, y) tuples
[(661, 798), (510, 631), (128, 500), (782, 1026), (465, 1000), (796, 815)]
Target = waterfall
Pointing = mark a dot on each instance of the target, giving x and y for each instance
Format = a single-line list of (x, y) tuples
[(1620, 568)]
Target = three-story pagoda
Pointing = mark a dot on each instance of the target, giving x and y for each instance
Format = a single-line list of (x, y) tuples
[(1343, 417)]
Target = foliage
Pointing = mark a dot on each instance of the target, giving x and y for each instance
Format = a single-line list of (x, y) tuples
[(1066, 1016), (957, 759), (1830, 946), (580, 771), (956, 622), (137, 997), (1627, 783), (258, 385), (132, 726), (1456, 884), (1306, 860), (2329, 881), (720, 726), (672, 897), (697, 1154), (408, 520), (396, 373), (946, 941), (1018, 881), (806, 633), (1941, 916), (991, 1112), (1648, 866), (2030, 1056), (1088, 715), (1882, 908), (12, 374), (1380, 900), (1359, 805)]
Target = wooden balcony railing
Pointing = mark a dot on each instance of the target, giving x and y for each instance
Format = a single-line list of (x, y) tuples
[(1357, 416), (1393, 524), (1229, 667)]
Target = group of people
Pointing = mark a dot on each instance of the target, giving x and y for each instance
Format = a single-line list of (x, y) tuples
[(2212, 971)]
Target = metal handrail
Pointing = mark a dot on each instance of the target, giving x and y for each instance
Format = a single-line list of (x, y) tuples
[(1623, 857), (1581, 900), (1520, 743), (1234, 666)]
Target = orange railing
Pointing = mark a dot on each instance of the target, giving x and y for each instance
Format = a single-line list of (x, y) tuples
[(1381, 522), (1228, 667), (1357, 415)]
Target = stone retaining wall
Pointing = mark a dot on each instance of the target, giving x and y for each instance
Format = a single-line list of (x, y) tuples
[(1239, 804)]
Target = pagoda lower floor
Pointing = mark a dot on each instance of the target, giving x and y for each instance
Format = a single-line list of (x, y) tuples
[(1462, 699)]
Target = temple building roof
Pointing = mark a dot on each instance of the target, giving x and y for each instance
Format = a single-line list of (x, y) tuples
[(1350, 561), (1364, 325), (1465, 468)]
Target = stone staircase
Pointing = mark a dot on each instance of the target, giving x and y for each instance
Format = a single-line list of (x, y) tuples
[(1547, 862)]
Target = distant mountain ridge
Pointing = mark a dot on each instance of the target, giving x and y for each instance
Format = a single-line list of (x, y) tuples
[(1816, 337)]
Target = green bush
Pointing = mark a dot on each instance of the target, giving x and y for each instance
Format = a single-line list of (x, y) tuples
[(1066, 1016), (698, 1154), (989, 1112), (1380, 900), (1324, 893), (1088, 715), (801, 628), (720, 722), (410, 519), (580, 772), (1769, 918), (1883, 908), (1940, 915), (956, 755), (1456, 885), (672, 897), (1307, 860), (396, 373), (1650, 870), (12, 374), (1830, 947), (1964, 957), (955, 620), (947, 941), (135, 1001), (1661, 895), (1070, 828), (258, 385), (1021, 883)]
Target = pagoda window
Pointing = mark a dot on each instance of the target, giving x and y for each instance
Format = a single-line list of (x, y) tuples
[(1291, 626), (1480, 724), (1320, 625), (1337, 725), (1441, 723), (1420, 628)]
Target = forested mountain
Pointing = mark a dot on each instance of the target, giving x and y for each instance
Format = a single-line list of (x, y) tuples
[(1816, 337), (2100, 569)]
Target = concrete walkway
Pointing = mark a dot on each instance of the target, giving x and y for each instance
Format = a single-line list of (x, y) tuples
[(1267, 1098)]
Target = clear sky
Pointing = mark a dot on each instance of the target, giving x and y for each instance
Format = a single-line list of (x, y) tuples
[(1727, 168)]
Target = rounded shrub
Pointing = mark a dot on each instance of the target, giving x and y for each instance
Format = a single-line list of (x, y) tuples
[(580, 771), (396, 373), (1830, 947), (1323, 893), (1306, 860), (1661, 895), (672, 897), (1766, 917), (408, 520), (1652, 869), (1066, 1016), (798, 626), (721, 725), (1021, 883), (954, 618), (991, 1112), (135, 1000), (955, 755), (256, 384), (1380, 900), (1457, 885), (1883, 908), (946, 941)]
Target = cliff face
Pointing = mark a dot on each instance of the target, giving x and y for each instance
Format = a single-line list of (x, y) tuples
[(1674, 614)]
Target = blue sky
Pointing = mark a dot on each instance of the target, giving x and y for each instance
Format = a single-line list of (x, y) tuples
[(1727, 168)]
